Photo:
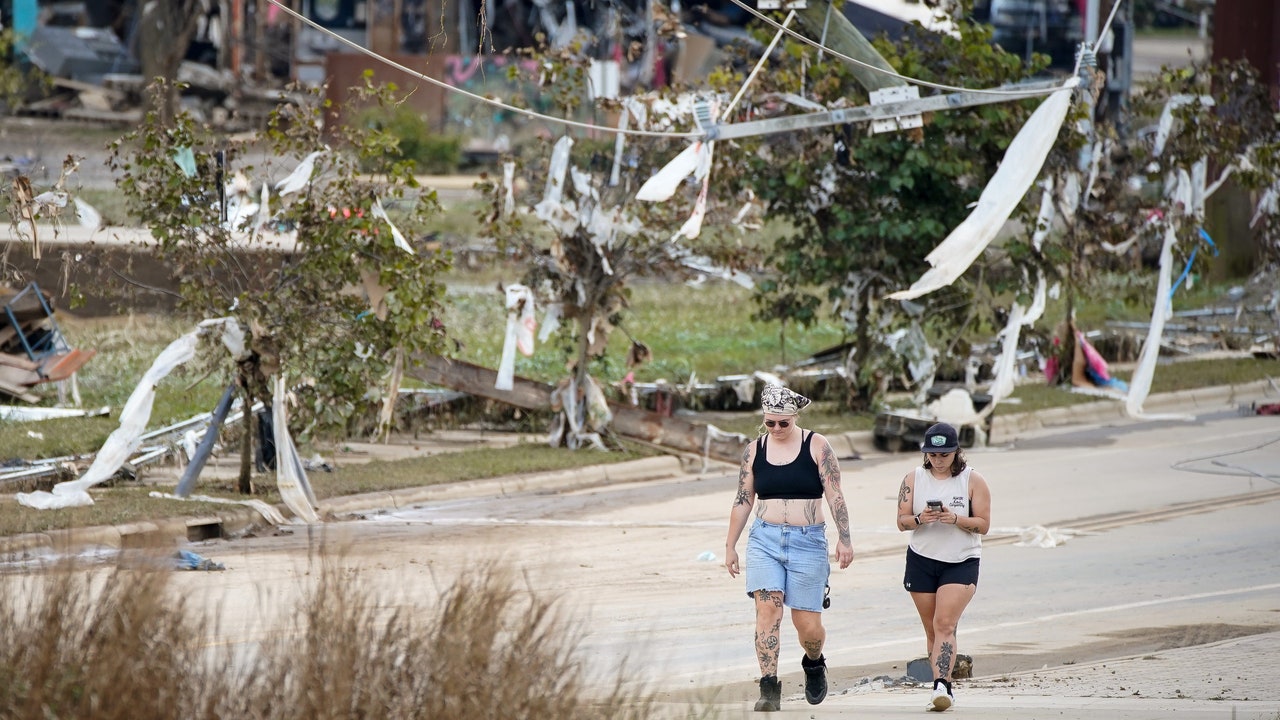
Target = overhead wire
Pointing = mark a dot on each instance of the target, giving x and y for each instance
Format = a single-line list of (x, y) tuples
[(479, 98), (659, 133), (891, 73)]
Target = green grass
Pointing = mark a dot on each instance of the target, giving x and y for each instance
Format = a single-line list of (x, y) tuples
[(129, 502), (704, 332), (126, 348)]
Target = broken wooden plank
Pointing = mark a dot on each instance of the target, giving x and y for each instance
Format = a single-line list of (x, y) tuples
[(628, 421), (17, 377), (18, 361), (61, 367), (84, 87), (18, 391)]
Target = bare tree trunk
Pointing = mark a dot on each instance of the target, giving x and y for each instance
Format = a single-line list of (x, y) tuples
[(581, 372), (165, 30), (245, 484)]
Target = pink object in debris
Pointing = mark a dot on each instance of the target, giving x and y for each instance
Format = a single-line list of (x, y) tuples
[(1093, 359)]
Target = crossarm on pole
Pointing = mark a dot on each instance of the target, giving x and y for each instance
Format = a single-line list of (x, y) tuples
[(886, 111)]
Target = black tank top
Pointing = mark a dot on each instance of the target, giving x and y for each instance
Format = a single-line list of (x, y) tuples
[(797, 480)]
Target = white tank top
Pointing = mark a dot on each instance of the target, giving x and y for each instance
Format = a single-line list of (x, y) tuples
[(944, 541)]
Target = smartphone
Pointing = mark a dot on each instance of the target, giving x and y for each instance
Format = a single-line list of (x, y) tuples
[(935, 505)]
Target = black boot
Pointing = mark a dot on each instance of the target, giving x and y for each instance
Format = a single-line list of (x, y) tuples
[(770, 694), (815, 678)]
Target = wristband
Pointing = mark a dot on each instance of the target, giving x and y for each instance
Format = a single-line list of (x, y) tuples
[(917, 518)]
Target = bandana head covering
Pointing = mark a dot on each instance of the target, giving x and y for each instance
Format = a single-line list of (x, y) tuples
[(777, 400)]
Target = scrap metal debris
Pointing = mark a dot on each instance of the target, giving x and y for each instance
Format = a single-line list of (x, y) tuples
[(33, 350)]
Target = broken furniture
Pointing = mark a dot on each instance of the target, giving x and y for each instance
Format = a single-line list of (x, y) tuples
[(32, 347), (903, 431)]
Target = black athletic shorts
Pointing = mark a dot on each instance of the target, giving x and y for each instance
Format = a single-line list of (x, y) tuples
[(926, 575)]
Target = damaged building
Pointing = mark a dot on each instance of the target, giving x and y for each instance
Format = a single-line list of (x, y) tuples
[(242, 53)]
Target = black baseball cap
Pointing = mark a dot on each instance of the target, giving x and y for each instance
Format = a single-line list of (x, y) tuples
[(940, 438)]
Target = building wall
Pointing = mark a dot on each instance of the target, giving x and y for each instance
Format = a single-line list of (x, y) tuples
[(1250, 30)]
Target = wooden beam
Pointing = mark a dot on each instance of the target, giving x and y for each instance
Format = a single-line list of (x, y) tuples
[(628, 421)]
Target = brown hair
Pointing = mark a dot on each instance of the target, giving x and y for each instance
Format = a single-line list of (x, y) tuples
[(958, 463)]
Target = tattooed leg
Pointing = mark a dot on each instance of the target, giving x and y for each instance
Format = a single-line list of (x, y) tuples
[(768, 629), (951, 602), (811, 632), (944, 660)]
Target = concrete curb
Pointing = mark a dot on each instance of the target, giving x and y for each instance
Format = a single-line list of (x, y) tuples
[(1005, 428), (651, 468), (169, 531), (851, 444)]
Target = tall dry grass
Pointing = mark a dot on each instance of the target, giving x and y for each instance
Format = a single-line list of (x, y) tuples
[(117, 644)]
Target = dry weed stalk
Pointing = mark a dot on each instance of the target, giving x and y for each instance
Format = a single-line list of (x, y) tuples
[(116, 644)]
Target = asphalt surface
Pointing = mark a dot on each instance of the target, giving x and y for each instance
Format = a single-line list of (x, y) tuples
[(588, 520)]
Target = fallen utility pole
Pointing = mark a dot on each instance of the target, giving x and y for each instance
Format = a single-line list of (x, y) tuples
[(628, 421)]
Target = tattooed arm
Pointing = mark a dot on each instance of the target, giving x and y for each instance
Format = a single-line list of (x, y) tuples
[(906, 503), (829, 471), (741, 509)]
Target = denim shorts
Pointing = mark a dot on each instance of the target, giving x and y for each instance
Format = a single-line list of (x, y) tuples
[(790, 558)]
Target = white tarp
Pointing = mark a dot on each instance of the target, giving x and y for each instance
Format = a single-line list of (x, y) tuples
[(124, 440), (291, 479), (1018, 170), (1140, 383)]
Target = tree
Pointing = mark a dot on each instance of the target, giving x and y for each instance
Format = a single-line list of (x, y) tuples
[(1202, 126), (341, 308), (586, 238), (165, 30), (866, 209)]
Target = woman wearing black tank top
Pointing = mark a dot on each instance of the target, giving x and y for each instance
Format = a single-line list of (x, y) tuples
[(791, 472)]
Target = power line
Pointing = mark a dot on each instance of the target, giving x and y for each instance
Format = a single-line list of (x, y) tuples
[(480, 98), (890, 73)]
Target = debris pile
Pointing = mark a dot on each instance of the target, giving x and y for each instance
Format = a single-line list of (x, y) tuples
[(33, 350)]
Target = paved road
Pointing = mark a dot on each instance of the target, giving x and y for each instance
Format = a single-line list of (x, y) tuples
[(1178, 551), (1152, 52)]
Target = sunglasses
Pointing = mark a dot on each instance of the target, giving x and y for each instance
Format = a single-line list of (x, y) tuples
[(779, 423)]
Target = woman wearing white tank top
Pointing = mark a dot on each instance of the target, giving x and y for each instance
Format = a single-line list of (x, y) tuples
[(946, 506)]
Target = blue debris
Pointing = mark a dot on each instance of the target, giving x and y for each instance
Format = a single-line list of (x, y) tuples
[(188, 560)]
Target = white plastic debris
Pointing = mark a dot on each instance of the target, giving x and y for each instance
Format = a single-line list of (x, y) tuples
[(1140, 383), (88, 216), (301, 175), (1019, 168), (521, 323), (396, 235), (291, 479), (124, 440)]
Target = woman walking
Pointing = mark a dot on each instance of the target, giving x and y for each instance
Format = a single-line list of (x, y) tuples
[(790, 471), (946, 506)]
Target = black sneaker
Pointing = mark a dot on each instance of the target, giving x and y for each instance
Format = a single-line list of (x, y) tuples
[(770, 694), (815, 679)]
